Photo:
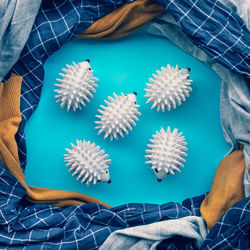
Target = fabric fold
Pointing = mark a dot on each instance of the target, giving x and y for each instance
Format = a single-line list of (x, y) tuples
[(124, 20), (241, 7), (210, 25), (151, 235), (232, 231), (215, 29), (226, 190), (10, 118), (14, 30)]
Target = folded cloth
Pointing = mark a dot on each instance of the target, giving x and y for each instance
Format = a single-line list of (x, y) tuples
[(235, 118), (215, 29), (227, 188), (124, 20), (149, 236), (43, 226), (232, 231), (10, 118), (16, 19), (241, 7)]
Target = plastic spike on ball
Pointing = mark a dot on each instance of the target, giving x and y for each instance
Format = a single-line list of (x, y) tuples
[(166, 153), (76, 86), (89, 162), (169, 88), (118, 116)]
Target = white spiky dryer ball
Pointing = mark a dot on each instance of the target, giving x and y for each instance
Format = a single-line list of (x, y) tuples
[(76, 86), (89, 162), (166, 153), (118, 116), (169, 88)]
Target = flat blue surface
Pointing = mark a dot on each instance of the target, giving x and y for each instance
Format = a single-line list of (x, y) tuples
[(124, 65)]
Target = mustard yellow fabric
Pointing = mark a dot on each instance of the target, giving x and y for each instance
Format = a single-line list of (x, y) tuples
[(10, 118), (124, 20), (227, 188)]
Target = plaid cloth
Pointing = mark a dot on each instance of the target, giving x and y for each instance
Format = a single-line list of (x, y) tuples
[(216, 30), (232, 231), (25, 225), (41, 226)]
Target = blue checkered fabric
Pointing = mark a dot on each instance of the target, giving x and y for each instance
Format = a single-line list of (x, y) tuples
[(232, 231), (40, 226), (216, 30)]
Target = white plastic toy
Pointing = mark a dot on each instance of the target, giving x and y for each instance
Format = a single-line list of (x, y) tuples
[(77, 85), (166, 152), (88, 162), (170, 87), (118, 116)]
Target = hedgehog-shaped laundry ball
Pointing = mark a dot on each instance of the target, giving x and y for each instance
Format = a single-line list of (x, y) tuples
[(169, 88), (166, 152), (118, 116), (77, 85), (89, 162)]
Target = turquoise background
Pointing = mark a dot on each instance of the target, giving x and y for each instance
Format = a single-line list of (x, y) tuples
[(124, 65)]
